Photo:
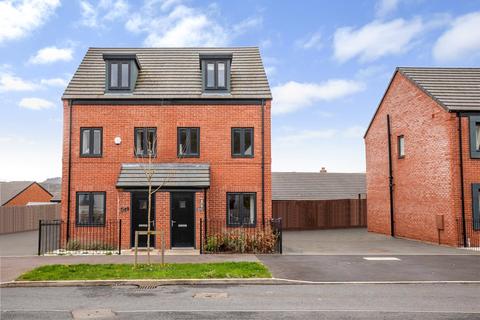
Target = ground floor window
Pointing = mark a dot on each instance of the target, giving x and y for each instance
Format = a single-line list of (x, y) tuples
[(241, 209), (90, 208), (476, 205)]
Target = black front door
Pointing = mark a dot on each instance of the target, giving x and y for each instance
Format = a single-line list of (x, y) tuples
[(140, 218), (182, 219)]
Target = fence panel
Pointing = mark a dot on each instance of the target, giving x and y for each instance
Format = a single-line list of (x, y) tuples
[(321, 214), (25, 218)]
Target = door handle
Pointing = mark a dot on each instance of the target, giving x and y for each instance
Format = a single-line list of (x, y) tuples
[(153, 223), (173, 221)]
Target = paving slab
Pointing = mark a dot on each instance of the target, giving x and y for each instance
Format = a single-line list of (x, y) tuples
[(19, 243)]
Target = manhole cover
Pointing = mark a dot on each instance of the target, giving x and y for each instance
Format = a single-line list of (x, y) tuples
[(211, 295), (93, 314)]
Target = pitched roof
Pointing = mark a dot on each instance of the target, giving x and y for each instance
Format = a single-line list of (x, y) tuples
[(455, 89), (171, 73), (8, 190), (132, 175), (317, 185)]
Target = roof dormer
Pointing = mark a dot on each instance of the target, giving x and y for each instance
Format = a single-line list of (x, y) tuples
[(121, 72), (216, 72)]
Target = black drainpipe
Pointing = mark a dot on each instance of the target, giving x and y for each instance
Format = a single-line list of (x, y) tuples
[(462, 191), (69, 165), (205, 219), (263, 163), (390, 177)]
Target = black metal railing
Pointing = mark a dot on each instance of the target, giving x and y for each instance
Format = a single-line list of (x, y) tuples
[(471, 239), (52, 238), (217, 237)]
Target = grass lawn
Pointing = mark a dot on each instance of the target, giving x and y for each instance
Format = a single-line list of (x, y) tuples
[(154, 271)]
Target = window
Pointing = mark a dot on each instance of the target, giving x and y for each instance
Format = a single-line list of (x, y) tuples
[(145, 142), (91, 142), (476, 205), (188, 142), (475, 137), (242, 142), (90, 208), (241, 209), (216, 74), (401, 146), (119, 75)]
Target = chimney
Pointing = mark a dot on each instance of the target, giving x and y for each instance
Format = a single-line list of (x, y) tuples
[(323, 170)]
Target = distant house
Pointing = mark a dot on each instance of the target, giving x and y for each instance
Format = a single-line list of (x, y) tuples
[(423, 157), (319, 200), (20, 193)]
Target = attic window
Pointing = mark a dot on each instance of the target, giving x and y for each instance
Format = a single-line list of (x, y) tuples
[(216, 73), (119, 75)]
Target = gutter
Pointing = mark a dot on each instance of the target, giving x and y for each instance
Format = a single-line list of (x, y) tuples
[(263, 163), (462, 188), (69, 166)]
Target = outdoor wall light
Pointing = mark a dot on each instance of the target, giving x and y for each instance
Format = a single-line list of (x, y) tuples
[(117, 140)]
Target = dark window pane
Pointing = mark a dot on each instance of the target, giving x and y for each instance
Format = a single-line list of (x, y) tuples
[(151, 142), (83, 208), (113, 75), (85, 141), (97, 142), (182, 148), (125, 75), (234, 209), (248, 209), (210, 75), (194, 141), (139, 135), (237, 150), (98, 209), (248, 142), (221, 74), (477, 141)]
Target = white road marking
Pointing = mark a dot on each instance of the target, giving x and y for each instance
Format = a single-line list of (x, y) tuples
[(381, 258)]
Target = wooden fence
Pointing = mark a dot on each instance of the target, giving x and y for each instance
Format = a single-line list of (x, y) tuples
[(320, 214), (25, 218)]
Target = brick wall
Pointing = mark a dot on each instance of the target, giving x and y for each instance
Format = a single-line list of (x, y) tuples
[(227, 174), (425, 181), (34, 193)]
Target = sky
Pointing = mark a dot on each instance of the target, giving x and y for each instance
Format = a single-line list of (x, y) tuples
[(328, 64)]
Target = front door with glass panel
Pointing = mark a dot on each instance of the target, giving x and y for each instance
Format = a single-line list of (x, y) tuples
[(140, 218), (182, 219)]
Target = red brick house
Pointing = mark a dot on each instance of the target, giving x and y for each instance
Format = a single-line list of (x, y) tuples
[(423, 157), (202, 115), (21, 193)]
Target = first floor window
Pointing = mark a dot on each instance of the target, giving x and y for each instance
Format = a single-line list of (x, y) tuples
[(241, 209), (90, 208), (188, 142), (91, 142), (145, 142), (476, 205), (242, 142), (475, 136)]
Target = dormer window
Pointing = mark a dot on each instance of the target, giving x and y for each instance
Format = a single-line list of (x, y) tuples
[(216, 73), (121, 71)]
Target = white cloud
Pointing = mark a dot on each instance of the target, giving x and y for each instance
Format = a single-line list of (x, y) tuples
[(36, 104), (385, 7), (19, 18), (51, 54), (94, 16), (54, 82), (354, 132), (376, 39), (247, 24), (312, 42), (10, 82), (293, 96), (305, 135), (460, 41)]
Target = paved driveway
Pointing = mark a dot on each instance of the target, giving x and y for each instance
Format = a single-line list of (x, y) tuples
[(358, 242), (19, 244)]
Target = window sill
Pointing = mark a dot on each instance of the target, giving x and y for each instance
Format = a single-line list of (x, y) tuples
[(89, 225), (90, 156)]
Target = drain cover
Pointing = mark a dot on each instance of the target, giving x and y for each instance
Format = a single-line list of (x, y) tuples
[(93, 314), (147, 286), (211, 295)]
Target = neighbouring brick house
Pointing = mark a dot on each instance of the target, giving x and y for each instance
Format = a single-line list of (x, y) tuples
[(423, 157), (202, 115), (21, 193)]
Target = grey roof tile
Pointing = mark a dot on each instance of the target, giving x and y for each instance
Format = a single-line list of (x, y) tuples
[(317, 185), (9, 190), (169, 73)]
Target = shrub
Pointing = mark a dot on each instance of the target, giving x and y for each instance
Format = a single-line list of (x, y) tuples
[(238, 241), (75, 245)]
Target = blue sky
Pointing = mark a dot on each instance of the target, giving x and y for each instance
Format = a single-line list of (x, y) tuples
[(328, 63)]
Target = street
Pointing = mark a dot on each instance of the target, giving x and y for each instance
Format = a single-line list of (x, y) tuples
[(339, 301)]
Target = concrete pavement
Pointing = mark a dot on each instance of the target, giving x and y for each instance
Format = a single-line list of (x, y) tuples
[(366, 301), (19, 244)]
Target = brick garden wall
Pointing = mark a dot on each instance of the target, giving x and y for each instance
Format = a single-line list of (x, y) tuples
[(227, 174)]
